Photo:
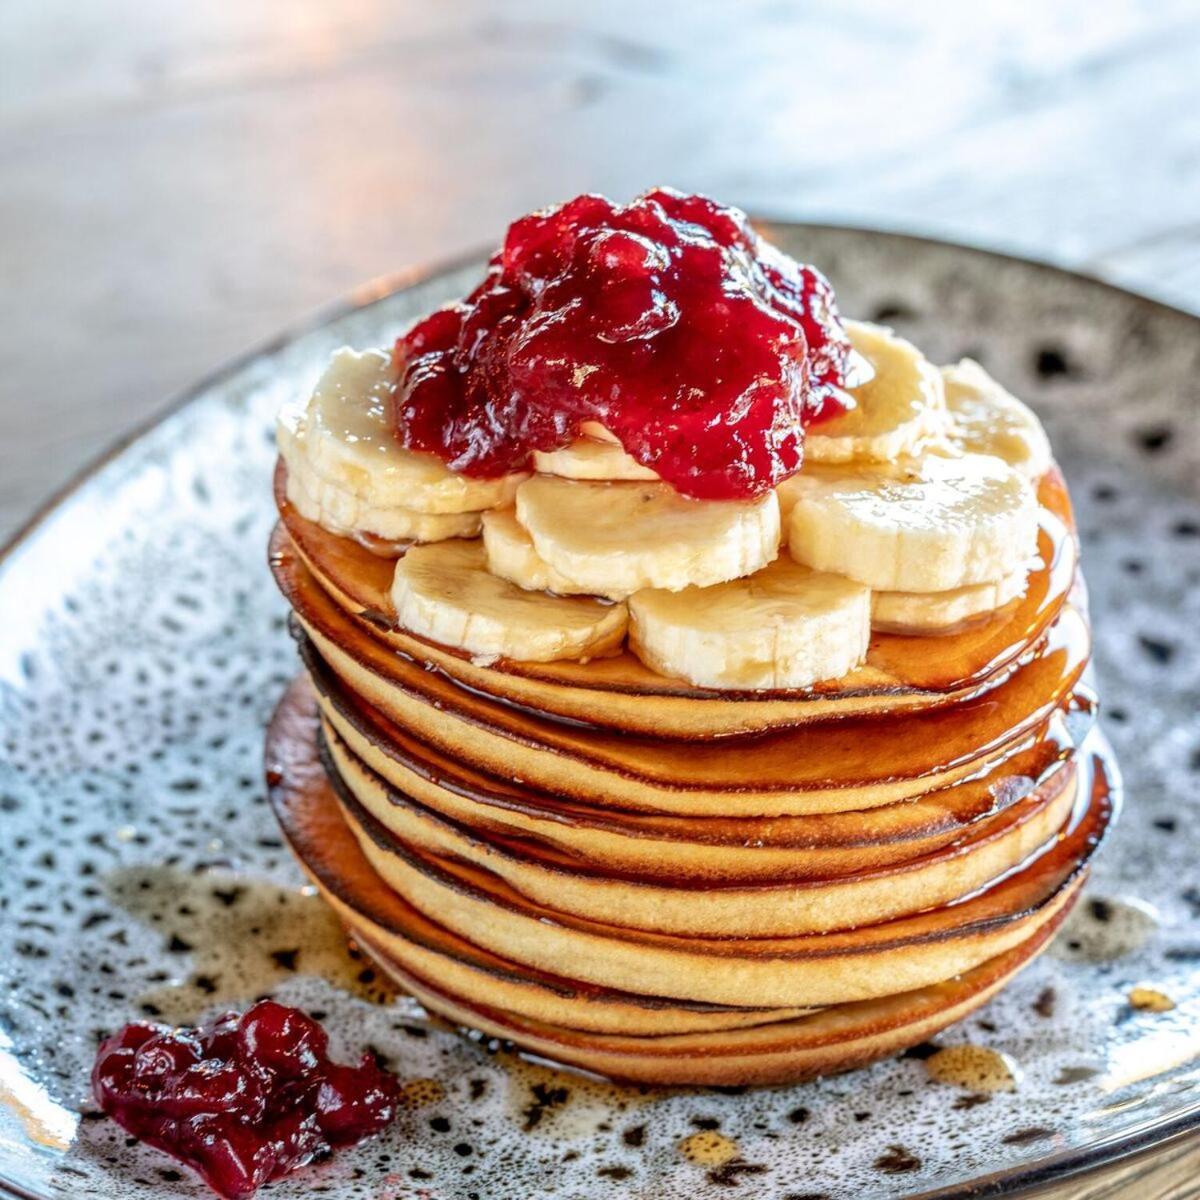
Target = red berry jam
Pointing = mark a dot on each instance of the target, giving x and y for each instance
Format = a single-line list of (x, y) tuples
[(669, 321), (242, 1100)]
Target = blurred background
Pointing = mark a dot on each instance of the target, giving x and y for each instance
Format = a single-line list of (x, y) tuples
[(179, 181)]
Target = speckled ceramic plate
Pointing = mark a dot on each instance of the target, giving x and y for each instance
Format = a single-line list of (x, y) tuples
[(143, 645)]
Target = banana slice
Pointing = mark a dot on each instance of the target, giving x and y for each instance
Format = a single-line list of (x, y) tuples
[(989, 420), (786, 493), (344, 436), (922, 613), (898, 412), (593, 429), (510, 554), (951, 523), (591, 458), (616, 538), (784, 627), (347, 515), (791, 488), (446, 593)]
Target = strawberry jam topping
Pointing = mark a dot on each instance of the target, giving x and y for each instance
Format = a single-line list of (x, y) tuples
[(668, 321), (244, 1099)]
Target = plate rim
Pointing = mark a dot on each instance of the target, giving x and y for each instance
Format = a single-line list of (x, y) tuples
[(1025, 1180)]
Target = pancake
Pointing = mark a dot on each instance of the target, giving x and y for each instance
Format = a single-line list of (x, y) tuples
[(781, 907), (900, 674), (763, 972), (854, 763), (806, 970), (833, 1040), (645, 1036), (331, 857), (668, 846)]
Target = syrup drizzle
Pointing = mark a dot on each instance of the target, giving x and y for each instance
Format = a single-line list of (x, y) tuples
[(977, 1068), (708, 1148), (239, 938)]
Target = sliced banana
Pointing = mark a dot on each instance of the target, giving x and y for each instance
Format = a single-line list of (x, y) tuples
[(989, 420), (951, 523), (784, 627), (791, 488), (898, 412), (347, 515), (344, 435), (616, 538), (510, 554), (921, 613), (591, 458), (593, 429), (786, 493), (446, 593)]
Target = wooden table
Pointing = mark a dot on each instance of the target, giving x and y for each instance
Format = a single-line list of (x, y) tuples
[(182, 180)]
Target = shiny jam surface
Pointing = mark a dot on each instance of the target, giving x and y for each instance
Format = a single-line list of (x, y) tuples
[(669, 321), (244, 1099)]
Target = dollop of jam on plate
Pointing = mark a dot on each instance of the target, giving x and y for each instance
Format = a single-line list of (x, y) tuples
[(668, 321), (244, 1099)]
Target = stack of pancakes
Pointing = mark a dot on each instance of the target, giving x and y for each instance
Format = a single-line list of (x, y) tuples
[(666, 884)]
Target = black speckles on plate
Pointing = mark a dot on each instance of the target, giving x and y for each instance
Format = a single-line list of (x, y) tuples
[(1023, 1137), (634, 1136), (1053, 361), (1157, 650), (615, 1173), (545, 1098), (897, 1160), (1046, 1002), (1069, 1075), (894, 311), (1154, 439), (732, 1173), (921, 1051)]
